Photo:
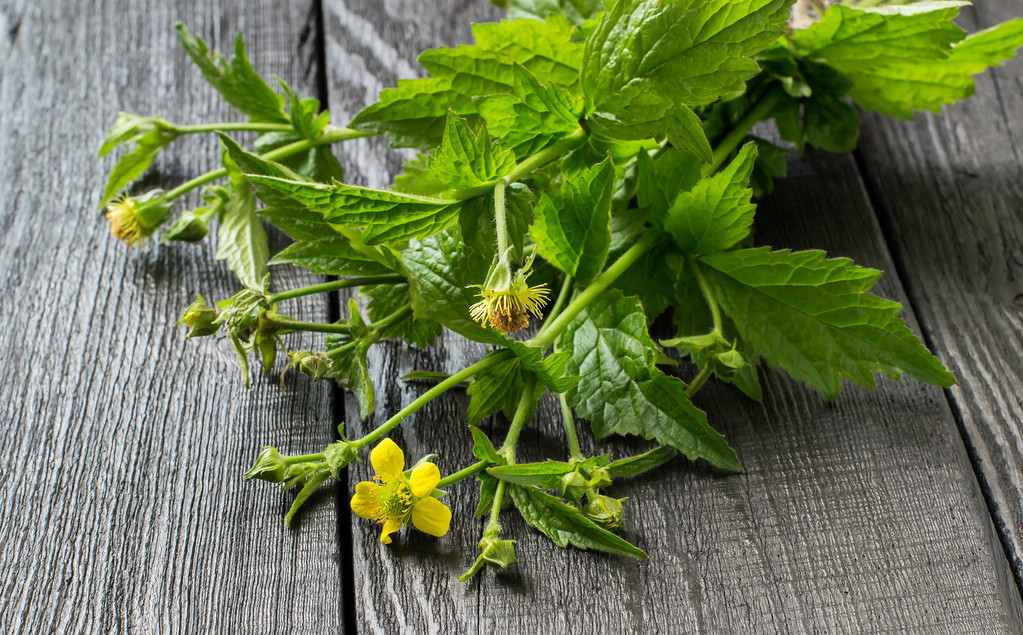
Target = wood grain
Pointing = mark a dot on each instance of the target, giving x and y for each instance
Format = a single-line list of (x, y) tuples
[(124, 508), (949, 191), (858, 516)]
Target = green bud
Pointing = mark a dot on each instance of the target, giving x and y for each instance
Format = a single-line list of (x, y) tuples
[(200, 318), (269, 466), (494, 552), (189, 228), (605, 511), (340, 454), (314, 365), (573, 486), (599, 478)]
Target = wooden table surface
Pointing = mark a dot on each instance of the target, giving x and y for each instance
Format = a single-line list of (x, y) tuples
[(123, 508)]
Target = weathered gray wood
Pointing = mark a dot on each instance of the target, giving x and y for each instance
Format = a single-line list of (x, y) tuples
[(949, 190), (862, 515), (124, 508)]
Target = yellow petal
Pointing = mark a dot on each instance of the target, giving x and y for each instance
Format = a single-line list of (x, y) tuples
[(366, 502), (431, 516), (392, 525), (424, 479), (388, 460)]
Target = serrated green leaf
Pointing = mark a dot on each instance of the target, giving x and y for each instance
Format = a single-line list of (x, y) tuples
[(241, 240), (467, 159), (384, 300), (622, 392), (691, 51), (150, 139), (499, 388), (234, 79), (649, 115), (814, 317), (565, 525), (572, 229), (385, 216), (482, 448), (413, 114), (331, 256), (716, 213), (533, 116)]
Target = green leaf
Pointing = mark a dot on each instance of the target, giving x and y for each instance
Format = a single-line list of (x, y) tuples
[(546, 474), (500, 388), (386, 216), (906, 58), (467, 159), (691, 51), (348, 354), (621, 390), (717, 213), (533, 116), (814, 318), (385, 300), (572, 229), (149, 136), (577, 11), (414, 113), (636, 465), (482, 448), (241, 240), (330, 256), (648, 115), (565, 525), (235, 80)]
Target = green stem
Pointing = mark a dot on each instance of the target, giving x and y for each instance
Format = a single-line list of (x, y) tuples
[(383, 324), (699, 381), (341, 349), (334, 285), (304, 458), (757, 113), (333, 135), (559, 304), (495, 510), (429, 395), (595, 288), (295, 325), (500, 218), (475, 468), (240, 126), (708, 295), (523, 412), (570, 432), (533, 162)]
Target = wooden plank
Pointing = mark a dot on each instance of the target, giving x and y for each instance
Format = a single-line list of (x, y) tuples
[(862, 515), (949, 192), (124, 446)]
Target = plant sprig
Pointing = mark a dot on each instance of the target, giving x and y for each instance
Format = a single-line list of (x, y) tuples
[(606, 152)]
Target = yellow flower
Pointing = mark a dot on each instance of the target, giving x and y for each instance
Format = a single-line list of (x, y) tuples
[(508, 310), (397, 499), (124, 221)]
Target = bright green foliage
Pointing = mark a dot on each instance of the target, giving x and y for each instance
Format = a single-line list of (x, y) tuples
[(466, 159), (636, 465), (572, 229), (814, 318), (717, 213), (413, 114), (241, 240), (348, 354), (234, 79), (622, 391), (498, 389), (906, 58), (386, 216), (149, 135), (565, 524), (650, 61), (533, 116)]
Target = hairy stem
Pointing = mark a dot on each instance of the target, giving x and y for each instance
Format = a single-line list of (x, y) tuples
[(295, 325), (233, 126), (475, 468), (334, 285), (429, 395), (523, 412), (708, 296), (570, 431), (500, 217), (758, 112)]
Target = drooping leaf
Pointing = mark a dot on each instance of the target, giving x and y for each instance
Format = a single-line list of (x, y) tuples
[(621, 390), (148, 135), (572, 229), (814, 317), (241, 239), (565, 524), (636, 465), (235, 79)]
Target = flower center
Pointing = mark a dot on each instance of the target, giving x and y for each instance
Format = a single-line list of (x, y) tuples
[(397, 499)]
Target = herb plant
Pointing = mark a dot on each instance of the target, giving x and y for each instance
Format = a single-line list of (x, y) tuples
[(584, 167)]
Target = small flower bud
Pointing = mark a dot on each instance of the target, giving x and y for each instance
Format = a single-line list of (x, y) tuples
[(314, 365), (269, 466), (135, 218), (339, 454), (599, 478), (605, 511), (189, 228), (200, 318), (573, 486)]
